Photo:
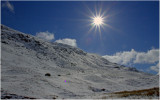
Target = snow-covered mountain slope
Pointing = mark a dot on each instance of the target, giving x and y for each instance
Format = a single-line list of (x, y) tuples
[(32, 67)]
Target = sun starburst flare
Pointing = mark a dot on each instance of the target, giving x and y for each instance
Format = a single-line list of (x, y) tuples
[(98, 20)]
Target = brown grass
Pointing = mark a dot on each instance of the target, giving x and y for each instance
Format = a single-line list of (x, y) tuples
[(144, 92)]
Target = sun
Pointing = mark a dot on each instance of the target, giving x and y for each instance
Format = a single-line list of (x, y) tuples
[(98, 20)]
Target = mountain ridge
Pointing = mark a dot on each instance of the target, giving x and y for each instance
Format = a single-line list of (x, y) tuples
[(73, 73)]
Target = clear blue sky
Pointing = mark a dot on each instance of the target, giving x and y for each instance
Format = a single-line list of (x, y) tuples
[(135, 24)]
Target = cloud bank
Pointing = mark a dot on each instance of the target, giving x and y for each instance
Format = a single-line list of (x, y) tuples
[(123, 58), (149, 57), (9, 6), (134, 57), (45, 35), (68, 41)]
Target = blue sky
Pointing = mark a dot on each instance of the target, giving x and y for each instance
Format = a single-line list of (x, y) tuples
[(133, 31)]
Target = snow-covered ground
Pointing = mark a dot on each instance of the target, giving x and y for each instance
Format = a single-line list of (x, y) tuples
[(73, 73)]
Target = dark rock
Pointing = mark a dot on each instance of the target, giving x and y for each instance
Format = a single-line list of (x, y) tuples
[(47, 74), (4, 42), (103, 89), (55, 97)]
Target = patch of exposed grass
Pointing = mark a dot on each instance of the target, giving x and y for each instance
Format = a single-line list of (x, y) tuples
[(144, 92)]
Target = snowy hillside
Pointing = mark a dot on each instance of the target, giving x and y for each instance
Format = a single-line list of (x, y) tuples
[(32, 67)]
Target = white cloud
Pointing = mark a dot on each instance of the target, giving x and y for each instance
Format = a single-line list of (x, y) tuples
[(151, 56), (155, 68), (134, 57), (45, 35), (71, 42), (8, 5), (123, 58)]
